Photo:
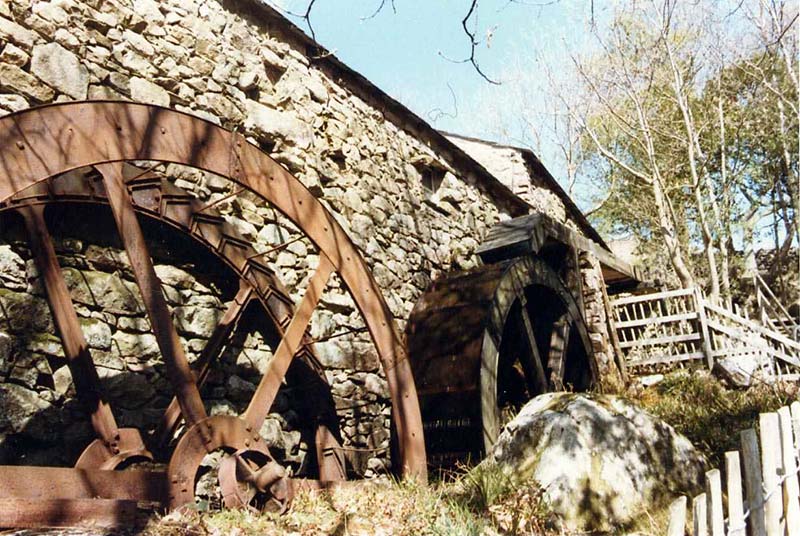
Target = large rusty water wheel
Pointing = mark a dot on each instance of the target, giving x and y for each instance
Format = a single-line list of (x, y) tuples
[(105, 153), (483, 343)]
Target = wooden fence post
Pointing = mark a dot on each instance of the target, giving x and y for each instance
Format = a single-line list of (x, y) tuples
[(770, 462), (677, 517), (705, 339), (716, 519), (791, 488), (736, 526), (700, 515), (795, 408), (753, 482)]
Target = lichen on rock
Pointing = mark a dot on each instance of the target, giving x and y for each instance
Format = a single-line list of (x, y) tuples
[(599, 461)]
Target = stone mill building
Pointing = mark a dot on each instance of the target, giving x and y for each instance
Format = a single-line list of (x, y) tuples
[(418, 204)]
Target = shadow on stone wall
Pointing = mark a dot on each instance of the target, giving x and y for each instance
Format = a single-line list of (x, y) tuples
[(42, 422)]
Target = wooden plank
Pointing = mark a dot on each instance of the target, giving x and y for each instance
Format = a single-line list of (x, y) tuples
[(705, 340), (795, 409), (667, 359), (791, 486), (729, 350), (769, 432), (64, 513), (677, 517), (794, 345), (661, 340), (650, 297), (753, 481), (736, 524), (766, 349), (527, 234), (33, 482), (657, 320), (716, 520), (700, 515)]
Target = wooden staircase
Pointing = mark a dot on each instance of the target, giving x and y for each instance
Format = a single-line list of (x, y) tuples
[(681, 328)]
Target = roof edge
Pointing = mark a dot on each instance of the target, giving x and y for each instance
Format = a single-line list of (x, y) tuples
[(392, 109), (541, 171)]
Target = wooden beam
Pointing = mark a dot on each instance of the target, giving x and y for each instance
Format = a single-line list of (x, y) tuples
[(76, 349), (34, 482), (531, 361), (528, 234), (66, 513), (130, 232)]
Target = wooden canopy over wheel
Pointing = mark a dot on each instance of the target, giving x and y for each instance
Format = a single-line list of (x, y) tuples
[(91, 152), (484, 342)]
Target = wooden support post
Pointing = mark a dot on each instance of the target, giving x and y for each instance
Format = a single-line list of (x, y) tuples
[(677, 517), (753, 482), (705, 339), (619, 358), (770, 463), (736, 524)]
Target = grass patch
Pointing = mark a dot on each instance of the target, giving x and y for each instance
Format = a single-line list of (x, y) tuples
[(479, 502), (484, 501), (709, 414)]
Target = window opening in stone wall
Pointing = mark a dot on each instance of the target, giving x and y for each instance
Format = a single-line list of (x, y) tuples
[(432, 178)]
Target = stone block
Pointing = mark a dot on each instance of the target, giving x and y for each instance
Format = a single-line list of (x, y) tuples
[(271, 123), (11, 31), (60, 69), (147, 92), (15, 79), (14, 55)]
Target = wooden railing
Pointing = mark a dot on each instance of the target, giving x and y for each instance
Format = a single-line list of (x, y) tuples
[(768, 504), (772, 313), (681, 328)]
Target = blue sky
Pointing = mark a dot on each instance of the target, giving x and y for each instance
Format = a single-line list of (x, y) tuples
[(404, 52)]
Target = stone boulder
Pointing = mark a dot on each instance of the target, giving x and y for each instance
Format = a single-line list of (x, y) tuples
[(599, 461), (740, 370)]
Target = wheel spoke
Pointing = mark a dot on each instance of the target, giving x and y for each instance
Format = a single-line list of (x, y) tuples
[(155, 304), (329, 455), (531, 361), (290, 344), (172, 415), (76, 350), (558, 351)]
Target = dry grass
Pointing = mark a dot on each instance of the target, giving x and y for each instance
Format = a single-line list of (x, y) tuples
[(481, 501), (477, 503), (709, 414)]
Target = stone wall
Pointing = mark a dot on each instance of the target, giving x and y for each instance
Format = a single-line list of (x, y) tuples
[(205, 58), (209, 58), (596, 314), (510, 167)]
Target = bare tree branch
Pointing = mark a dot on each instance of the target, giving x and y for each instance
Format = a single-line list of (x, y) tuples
[(473, 43), (437, 113), (379, 9)]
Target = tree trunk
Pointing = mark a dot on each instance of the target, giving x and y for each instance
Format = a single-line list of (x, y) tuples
[(723, 230), (670, 236)]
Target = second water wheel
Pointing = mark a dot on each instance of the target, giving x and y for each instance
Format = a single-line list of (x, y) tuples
[(484, 342)]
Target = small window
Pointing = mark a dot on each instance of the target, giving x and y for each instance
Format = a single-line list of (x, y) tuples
[(432, 178)]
